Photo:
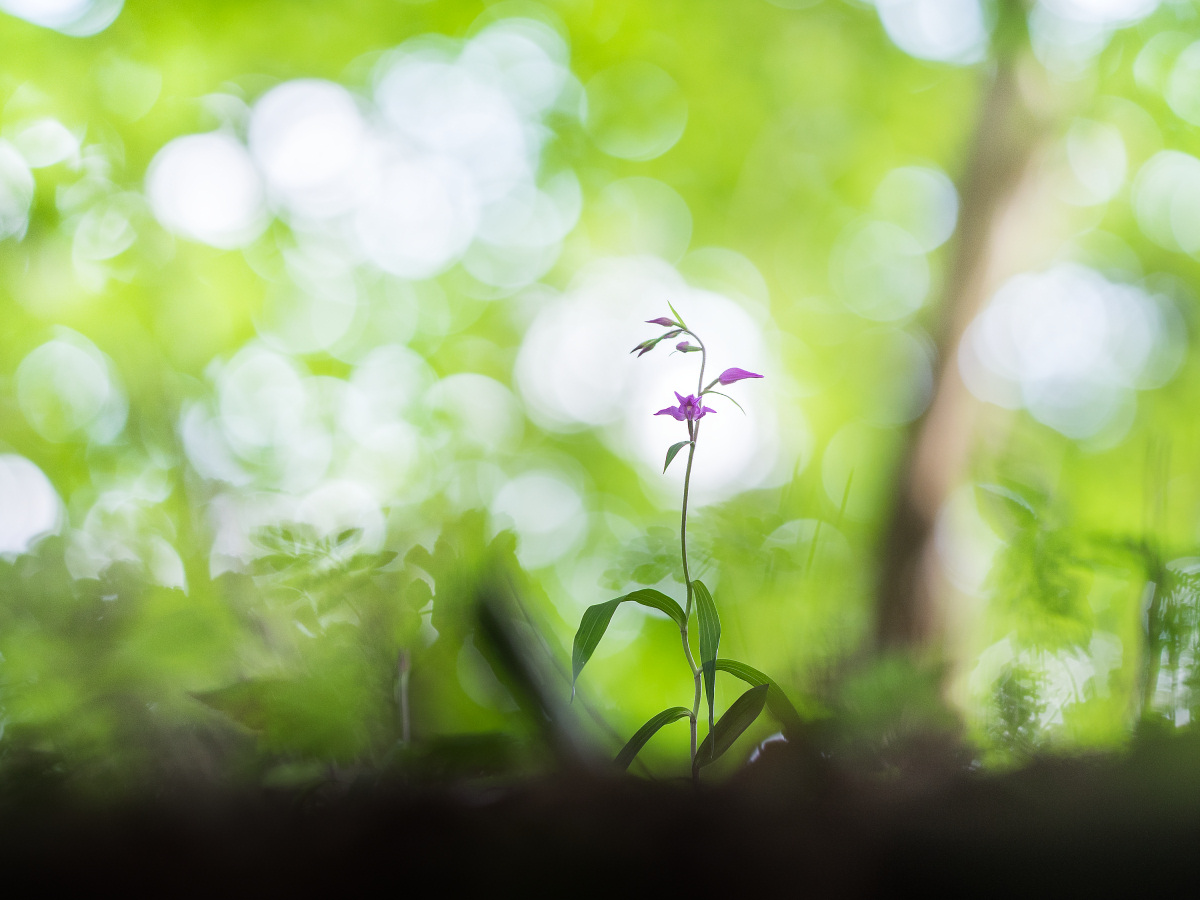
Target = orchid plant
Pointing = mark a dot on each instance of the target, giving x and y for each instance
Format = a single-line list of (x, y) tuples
[(763, 692)]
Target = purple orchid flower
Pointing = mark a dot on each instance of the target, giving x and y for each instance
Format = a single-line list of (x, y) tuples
[(689, 409), (729, 376)]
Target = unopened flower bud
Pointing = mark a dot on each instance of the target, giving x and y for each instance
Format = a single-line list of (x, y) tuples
[(663, 321), (729, 376)]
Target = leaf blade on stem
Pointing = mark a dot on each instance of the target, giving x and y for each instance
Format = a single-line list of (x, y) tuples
[(673, 451), (777, 701), (710, 640), (595, 620), (740, 716), (647, 731)]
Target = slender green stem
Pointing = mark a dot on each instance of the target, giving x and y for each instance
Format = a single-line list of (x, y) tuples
[(694, 434)]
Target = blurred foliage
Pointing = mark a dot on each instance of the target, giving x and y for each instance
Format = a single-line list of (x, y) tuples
[(170, 616)]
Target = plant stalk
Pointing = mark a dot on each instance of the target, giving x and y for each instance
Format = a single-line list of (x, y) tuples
[(694, 434)]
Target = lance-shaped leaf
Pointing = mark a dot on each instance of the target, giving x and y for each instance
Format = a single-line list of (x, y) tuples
[(777, 702), (647, 731), (678, 317), (737, 718), (596, 618), (673, 452), (710, 640)]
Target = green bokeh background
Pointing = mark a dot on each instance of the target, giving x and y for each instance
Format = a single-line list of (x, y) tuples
[(794, 117)]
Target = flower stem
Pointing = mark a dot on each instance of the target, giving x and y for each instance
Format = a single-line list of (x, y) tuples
[(694, 434)]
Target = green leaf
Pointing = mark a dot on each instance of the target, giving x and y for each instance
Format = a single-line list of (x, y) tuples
[(710, 640), (737, 718), (727, 397), (647, 731), (777, 702), (596, 618), (653, 599), (678, 317), (673, 452)]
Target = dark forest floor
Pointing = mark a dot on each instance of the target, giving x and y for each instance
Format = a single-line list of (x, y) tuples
[(1101, 826)]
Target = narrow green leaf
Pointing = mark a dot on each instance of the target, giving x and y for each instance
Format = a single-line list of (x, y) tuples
[(596, 618), (656, 600), (710, 640), (678, 317), (647, 731), (777, 702), (673, 452), (591, 628), (727, 397), (737, 718)]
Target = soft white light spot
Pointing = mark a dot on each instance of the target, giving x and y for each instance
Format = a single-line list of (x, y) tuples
[(525, 58), (940, 30), (482, 410), (205, 187), (124, 525), (271, 416), (546, 513), (341, 504), (386, 383), (1155, 61), (1183, 87), (29, 505), (922, 201), (78, 18), (635, 110), (16, 192), (67, 388), (1104, 12), (421, 217), (446, 111), (308, 137), (45, 142), (104, 231), (520, 235), (1072, 348), (1065, 43), (1166, 200)]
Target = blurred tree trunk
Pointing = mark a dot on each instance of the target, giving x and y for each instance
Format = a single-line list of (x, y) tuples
[(994, 191)]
